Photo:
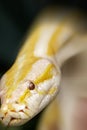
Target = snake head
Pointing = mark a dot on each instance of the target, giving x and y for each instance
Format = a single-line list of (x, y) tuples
[(25, 95)]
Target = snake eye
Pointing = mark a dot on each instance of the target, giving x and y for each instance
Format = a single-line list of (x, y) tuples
[(31, 86)]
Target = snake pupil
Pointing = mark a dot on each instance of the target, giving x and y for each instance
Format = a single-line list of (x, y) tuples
[(31, 86)]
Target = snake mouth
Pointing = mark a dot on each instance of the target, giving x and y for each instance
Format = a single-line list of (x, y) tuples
[(11, 122), (16, 122), (11, 119), (14, 118)]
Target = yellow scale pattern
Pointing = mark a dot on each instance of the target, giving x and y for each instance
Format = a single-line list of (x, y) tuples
[(51, 50), (47, 74), (12, 80), (44, 76), (27, 62)]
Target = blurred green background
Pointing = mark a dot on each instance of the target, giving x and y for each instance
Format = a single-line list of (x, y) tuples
[(16, 16)]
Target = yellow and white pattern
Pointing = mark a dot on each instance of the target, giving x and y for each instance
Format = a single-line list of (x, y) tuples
[(34, 79)]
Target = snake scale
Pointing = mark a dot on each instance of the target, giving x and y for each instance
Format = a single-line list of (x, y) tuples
[(34, 79)]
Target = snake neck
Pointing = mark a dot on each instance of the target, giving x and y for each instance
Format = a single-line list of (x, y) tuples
[(55, 36)]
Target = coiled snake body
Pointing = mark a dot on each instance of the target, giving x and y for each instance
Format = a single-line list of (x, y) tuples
[(34, 79)]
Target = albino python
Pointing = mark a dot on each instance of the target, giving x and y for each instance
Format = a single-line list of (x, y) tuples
[(34, 79)]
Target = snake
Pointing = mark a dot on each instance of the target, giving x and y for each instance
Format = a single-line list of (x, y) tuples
[(33, 80)]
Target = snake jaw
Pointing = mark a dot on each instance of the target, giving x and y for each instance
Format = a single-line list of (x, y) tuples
[(12, 117)]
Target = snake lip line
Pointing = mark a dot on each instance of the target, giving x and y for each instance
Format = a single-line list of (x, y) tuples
[(12, 116)]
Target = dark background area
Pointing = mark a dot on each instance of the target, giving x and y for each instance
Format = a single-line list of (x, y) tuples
[(16, 16)]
